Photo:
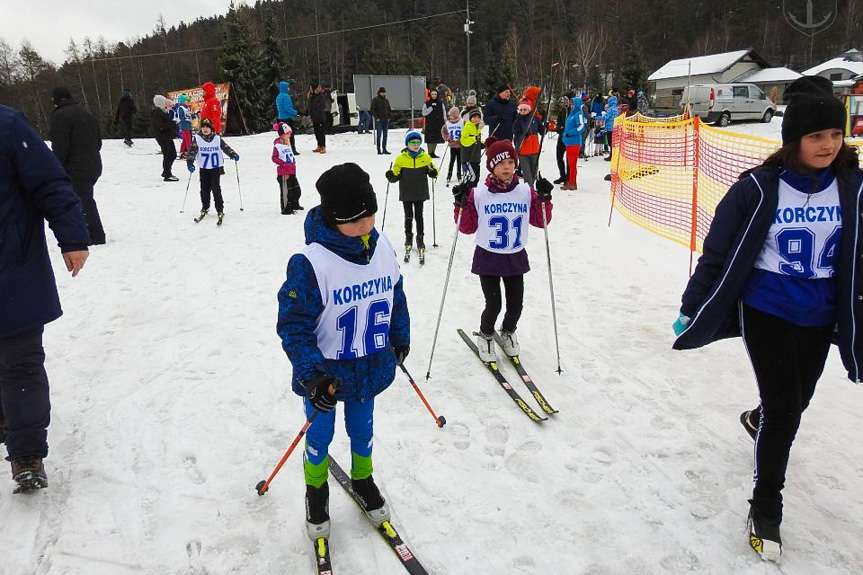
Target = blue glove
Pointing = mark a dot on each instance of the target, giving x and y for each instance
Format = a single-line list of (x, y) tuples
[(236, 157), (192, 169), (679, 326)]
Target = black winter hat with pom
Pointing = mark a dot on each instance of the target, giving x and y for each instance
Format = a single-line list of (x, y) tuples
[(347, 194), (811, 107)]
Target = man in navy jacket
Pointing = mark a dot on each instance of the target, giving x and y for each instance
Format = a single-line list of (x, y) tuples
[(34, 187), (499, 113)]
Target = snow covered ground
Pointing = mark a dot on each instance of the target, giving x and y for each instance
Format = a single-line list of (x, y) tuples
[(172, 400)]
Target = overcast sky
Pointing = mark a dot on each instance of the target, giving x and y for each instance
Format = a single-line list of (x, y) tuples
[(49, 24)]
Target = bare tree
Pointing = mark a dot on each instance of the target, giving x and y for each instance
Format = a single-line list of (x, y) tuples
[(73, 56), (589, 46), (8, 63)]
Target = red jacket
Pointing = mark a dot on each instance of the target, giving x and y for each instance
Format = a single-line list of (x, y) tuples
[(212, 108)]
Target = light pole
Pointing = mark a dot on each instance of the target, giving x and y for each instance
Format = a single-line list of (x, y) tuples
[(467, 33)]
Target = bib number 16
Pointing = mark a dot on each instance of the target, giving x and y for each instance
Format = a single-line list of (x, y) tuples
[(375, 331)]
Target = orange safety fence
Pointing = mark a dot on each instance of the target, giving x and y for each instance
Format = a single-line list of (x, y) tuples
[(668, 174)]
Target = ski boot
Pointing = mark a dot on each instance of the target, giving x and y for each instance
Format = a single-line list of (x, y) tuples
[(318, 512), (422, 254), (370, 497), (764, 535), (221, 217), (29, 474), (510, 342), (751, 421), (201, 217), (407, 253), (485, 345)]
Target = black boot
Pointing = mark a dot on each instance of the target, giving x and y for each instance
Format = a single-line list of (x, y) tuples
[(751, 421), (29, 474), (370, 497), (318, 511)]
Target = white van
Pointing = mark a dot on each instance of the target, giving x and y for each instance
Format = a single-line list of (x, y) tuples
[(722, 103)]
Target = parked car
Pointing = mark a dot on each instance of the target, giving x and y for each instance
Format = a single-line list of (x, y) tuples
[(721, 104)]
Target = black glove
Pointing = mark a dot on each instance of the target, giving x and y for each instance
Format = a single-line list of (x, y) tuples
[(432, 172), (544, 188), (318, 391), (391, 177), (401, 352), (459, 193)]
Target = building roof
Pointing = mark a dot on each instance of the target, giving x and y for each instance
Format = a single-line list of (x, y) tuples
[(769, 75), (846, 62), (712, 64)]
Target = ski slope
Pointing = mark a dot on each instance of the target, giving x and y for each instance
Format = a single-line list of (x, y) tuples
[(171, 400)]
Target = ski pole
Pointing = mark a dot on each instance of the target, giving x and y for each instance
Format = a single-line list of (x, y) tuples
[(237, 170), (440, 420), (434, 223), (187, 193), (263, 486), (284, 202), (386, 200)]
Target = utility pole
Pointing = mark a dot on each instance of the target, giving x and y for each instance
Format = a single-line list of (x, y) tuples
[(467, 34)]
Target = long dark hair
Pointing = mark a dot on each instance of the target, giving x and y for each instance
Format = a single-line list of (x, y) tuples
[(788, 157)]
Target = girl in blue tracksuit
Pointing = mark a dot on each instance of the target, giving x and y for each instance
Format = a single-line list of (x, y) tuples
[(779, 268), (344, 324)]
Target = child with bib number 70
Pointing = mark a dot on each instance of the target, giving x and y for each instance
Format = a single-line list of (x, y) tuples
[(206, 153)]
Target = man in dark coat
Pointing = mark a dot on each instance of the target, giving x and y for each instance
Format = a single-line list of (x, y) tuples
[(125, 110), (33, 187), (434, 112), (76, 141), (499, 113), (381, 110), (163, 125)]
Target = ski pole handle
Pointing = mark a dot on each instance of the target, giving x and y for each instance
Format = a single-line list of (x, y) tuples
[(263, 486), (440, 420)]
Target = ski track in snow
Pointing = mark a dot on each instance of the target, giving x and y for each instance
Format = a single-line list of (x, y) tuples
[(171, 400)]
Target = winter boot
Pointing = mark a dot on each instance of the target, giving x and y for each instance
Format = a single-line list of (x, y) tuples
[(510, 342), (485, 344), (171, 179), (323, 150), (221, 217), (318, 511), (29, 474), (751, 421), (764, 534), (422, 254), (316, 150), (2, 430), (370, 497)]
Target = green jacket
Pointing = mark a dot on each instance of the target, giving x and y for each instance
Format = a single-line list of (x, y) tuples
[(471, 136), (412, 174)]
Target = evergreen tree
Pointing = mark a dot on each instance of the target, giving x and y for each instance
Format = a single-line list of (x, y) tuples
[(241, 67), (273, 60), (594, 81), (634, 69)]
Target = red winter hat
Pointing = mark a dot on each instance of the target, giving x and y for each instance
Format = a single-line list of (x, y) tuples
[(497, 151)]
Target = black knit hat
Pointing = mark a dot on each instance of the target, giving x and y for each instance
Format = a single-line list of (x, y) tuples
[(60, 93), (346, 194), (502, 88), (811, 107)]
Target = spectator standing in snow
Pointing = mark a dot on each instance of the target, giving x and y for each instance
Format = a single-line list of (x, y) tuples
[(470, 103), (164, 128), (125, 110), (286, 113), (77, 141), (381, 110), (527, 129), (559, 128), (212, 109), (435, 117), (33, 188), (365, 121), (319, 104), (573, 135), (499, 113)]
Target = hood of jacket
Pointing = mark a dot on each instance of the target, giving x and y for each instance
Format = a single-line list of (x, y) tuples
[(612, 101), (354, 250), (283, 87), (209, 90)]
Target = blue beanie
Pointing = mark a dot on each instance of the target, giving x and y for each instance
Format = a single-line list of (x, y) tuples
[(413, 135)]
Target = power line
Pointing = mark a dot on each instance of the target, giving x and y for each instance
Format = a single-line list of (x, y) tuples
[(303, 37)]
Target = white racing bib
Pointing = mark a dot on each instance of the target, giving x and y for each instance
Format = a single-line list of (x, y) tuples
[(285, 153), (209, 153), (358, 300), (503, 218)]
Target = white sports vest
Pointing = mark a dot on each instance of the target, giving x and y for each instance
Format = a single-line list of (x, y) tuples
[(805, 233), (454, 129), (504, 218), (358, 300), (285, 153), (209, 153)]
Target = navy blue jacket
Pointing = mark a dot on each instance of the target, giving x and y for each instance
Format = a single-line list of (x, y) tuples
[(500, 114), (300, 304), (731, 248), (33, 187)]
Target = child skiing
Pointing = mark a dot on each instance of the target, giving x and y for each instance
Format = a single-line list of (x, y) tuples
[(344, 342), (471, 146), (498, 211), (451, 132), (410, 170), (286, 171), (206, 153), (779, 270)]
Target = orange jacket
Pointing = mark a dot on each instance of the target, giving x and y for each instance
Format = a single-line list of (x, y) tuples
[(212, 108)]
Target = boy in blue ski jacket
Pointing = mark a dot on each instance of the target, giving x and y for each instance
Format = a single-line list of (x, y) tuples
[(344, 324)]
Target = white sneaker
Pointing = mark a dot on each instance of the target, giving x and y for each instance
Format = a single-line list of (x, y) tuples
[(485, 345), (510, 342)]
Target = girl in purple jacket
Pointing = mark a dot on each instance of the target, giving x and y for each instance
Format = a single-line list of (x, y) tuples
[(498, 212)]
